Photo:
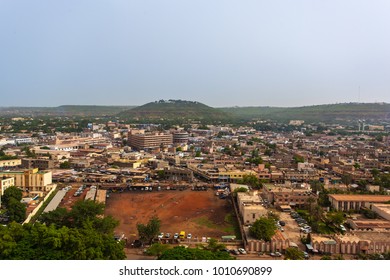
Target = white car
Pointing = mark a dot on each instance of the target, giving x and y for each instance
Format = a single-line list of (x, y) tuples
[(242, 251), (176, 236), (161, 235), (189, 236)]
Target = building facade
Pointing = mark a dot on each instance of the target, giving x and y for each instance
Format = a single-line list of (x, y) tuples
[(346, 202), (150, 141), (32, 181)]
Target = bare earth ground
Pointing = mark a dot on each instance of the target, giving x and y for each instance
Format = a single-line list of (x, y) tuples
[(200, 213)]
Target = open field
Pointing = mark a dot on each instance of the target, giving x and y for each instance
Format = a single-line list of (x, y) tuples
[(200, 213)]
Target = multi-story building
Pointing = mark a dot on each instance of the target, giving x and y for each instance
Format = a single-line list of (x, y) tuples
[(283, 195), (41, 164), (150, 141), (180, 137), (32, 181), (178, 174), (10, 163), (5, 183), (250, 207)]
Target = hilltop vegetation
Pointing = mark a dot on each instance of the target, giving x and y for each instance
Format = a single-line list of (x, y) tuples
[(175, 110), (182, 111), (64, 110), (316, 113)]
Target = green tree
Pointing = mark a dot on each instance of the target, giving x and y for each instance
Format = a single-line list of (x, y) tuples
[(250, 180), (39, 241), (65, 165), (240, 189), (16, 210), (182, 253), (157, 249), (214, 246), (149, 231), (294, 254), (336, 218), (85, 211), (59, 216), (298, 159), (11, 192), (273, 215), (263, 228)]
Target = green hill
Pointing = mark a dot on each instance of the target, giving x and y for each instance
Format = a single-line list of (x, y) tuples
[(175, 110), (316, 113), (64, 110)]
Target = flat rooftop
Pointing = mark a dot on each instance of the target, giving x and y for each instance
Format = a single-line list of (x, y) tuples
[(360, 197)]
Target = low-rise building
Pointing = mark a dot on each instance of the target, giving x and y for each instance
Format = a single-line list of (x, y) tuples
[(346, 202), (10, 163), (382, 210)]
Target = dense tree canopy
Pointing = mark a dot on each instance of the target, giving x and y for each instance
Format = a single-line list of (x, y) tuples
[(263, 228), (182, 253), (16, 210), (294, 254), (149, 231), (9, 193), (80, 233)]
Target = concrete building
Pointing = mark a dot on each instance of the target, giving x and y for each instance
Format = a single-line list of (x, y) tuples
[(150, 141), (41, 164), (180, 137), (32, 181), (5, 184), (284, 195), (346, 202), (382, 210), (359, 242), (250, 207), (178, 174), (10, 163)]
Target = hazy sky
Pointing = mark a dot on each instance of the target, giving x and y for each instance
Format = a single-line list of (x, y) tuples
[(221, 53)]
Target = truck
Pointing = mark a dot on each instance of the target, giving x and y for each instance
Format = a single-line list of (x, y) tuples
[(182, 235)]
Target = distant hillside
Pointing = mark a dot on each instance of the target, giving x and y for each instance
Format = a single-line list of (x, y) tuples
[(64, 110), (175, 110), (324, 113)]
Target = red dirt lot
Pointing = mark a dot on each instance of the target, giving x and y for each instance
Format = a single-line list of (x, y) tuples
[(200, 213)]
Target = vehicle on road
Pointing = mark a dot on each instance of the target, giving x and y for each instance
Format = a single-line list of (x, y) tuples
[(275, 254), (242, 251)]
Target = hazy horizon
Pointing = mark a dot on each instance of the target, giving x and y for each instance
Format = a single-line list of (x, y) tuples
[(222, 53)]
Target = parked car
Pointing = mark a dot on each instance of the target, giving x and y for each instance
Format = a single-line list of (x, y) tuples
[(167, 235), (282, 223), (176, 236), (234, 252), (275, 254), (242, 251), (189, 236), (161, 235)]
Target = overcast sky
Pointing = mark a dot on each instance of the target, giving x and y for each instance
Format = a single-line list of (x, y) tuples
[(221, 53)]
